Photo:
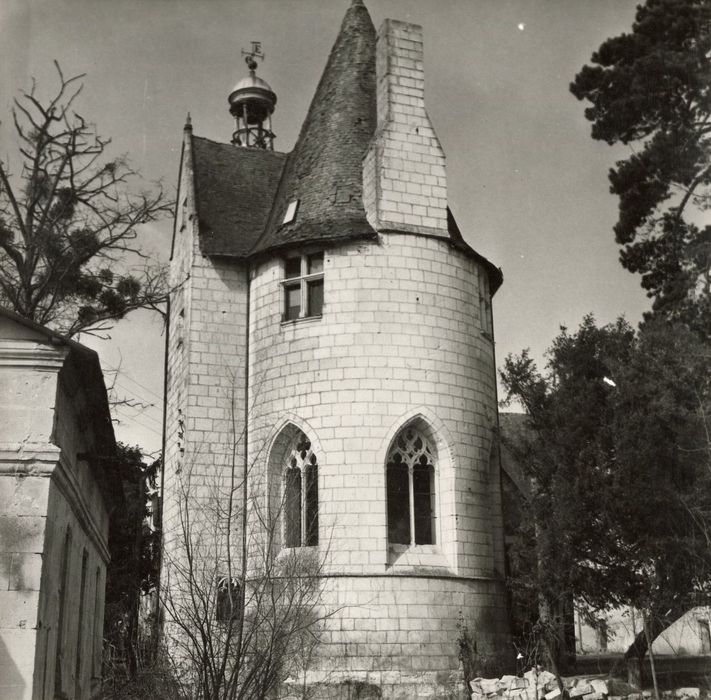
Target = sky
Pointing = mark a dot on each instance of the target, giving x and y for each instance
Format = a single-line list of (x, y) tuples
[(526, 182)]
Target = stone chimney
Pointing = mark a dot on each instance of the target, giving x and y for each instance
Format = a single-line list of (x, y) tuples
[(404, 178)]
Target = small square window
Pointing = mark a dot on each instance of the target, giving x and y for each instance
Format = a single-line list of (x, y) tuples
[(315, 263), (292, 306), (303, 286), (314, 295), (290, 213), (292, 268)]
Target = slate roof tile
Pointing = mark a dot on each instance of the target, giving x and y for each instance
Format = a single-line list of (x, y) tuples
[(324, 171), (234, 190)]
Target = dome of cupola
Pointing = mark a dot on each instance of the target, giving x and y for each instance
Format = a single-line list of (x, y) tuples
[(252, 103), (256, 95)]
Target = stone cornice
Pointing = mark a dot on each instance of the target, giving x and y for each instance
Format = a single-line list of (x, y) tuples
[(32, 354), (28, 458), (47, 460)]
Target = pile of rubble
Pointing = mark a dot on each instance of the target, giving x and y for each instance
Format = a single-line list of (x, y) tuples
[(537, 684)]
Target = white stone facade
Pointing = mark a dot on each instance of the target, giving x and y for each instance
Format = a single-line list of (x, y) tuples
[(400, 342), (404, 179), (54, 518)]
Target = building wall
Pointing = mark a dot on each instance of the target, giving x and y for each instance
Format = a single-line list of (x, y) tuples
[(44, 489), (400, 338), (205, 390), (689, 635)]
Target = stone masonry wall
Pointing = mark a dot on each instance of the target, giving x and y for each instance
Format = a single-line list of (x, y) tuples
[(205, 396), (400, 339), (404, 180), (44, 490)]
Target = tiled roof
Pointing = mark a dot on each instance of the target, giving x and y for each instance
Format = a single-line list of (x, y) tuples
[(234, 191), (496, 277), (324, 171), (242, 193)]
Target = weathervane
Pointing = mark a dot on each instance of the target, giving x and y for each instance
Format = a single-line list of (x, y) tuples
[(250, 57), (251, 104)]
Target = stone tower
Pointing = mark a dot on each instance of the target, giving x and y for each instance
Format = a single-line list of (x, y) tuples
[(331, 332)]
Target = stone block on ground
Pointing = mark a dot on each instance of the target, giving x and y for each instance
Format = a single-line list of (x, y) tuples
[(599, 686), (687, 693), (488, 685), (546, 677), (521, 694)]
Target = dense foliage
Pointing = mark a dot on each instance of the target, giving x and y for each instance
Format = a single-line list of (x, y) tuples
[(617, 453), (651, 89), (133, 570)]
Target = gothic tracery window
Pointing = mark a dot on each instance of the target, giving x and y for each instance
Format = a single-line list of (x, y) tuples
[(301, 494), (228, 599), (411, 489)]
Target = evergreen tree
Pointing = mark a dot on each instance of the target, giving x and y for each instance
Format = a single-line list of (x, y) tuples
[(651, 88), (618, 457)]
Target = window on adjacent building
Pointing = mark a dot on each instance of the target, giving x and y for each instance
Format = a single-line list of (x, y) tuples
[(97, 632), (411, 489), (705, 635), (601, 634), (301, 494), (78, 669), (59, 670), (485, 316), (228, 599), (303, 286)]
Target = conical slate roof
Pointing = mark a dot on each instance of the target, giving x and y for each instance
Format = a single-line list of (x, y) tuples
[(324, 171), (243, 194)]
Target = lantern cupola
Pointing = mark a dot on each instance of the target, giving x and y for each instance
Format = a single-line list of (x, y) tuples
[(252, 103)]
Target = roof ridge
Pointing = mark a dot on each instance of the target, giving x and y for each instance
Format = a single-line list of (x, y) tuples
[(240, 149)]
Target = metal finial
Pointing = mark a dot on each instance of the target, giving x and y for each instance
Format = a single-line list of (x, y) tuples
[(250, 57), (188, 122)]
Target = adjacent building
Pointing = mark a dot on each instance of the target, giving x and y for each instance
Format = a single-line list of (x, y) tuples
[(56, 440)]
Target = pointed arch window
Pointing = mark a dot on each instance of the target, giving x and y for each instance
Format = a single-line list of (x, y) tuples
[(227, 603), (301, 494), (411, 489)]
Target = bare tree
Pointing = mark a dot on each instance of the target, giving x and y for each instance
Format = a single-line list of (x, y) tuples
[(242, 613), (69, 221)]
